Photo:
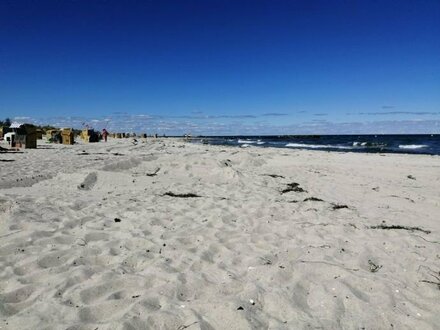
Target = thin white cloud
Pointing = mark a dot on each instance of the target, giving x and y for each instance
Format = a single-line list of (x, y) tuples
[(22, 118), (222, 126), (420, 113)]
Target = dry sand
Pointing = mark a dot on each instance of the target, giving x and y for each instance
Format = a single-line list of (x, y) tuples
[(97, 236)]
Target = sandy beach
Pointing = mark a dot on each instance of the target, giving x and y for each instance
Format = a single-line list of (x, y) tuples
[(168, 234)]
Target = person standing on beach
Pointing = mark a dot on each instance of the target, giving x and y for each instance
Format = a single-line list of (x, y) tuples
[(104, 134)]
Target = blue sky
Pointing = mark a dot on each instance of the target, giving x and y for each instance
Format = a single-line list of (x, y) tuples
[(223, 67)]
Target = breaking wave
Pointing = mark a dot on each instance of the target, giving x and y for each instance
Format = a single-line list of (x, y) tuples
[(315, 146), (412, 146)]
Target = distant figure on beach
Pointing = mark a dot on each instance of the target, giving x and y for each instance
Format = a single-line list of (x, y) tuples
[(104, 134)]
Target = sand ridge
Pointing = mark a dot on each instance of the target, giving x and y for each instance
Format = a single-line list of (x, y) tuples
[(172, 235)]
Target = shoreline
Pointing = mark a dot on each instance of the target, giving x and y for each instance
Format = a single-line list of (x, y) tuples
[(406, 144)]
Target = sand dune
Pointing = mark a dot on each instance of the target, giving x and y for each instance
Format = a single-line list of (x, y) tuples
[(173, 235)]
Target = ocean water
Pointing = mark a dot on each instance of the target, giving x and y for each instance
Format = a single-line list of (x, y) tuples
[(409, 144)]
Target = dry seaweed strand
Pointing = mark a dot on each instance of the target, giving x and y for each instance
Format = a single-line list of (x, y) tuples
[(435, 275), (313, 199), (188, 195), (274, 176), (153, 173), (293, 187), (391, 227), (374, 268), (339, 206)]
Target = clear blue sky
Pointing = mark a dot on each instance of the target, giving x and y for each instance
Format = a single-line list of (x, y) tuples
[(223, 67)]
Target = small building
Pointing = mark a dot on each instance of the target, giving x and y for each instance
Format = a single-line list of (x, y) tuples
[(67, 136), (89, 135), (4, 130), (51, 135), (25, 136), (27, 140), (39, 133), (85, 134)]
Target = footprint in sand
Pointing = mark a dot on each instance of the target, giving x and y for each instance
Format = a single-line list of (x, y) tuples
[(89, 181)]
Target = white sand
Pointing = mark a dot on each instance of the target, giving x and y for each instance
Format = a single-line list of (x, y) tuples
[(243, 255)]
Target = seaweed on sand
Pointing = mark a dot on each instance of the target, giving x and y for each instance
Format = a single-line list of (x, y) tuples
[(274, 176), (293, 187), (374, 268), (339, 206), (386, 227), (435, 276), (313, 199), (188, 195), (153, 173)]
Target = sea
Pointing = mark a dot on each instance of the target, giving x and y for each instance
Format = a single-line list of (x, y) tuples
[(428, 144)]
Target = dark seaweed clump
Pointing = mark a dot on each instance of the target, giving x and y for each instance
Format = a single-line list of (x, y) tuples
[(189, 195), (313, 199), (386, 227), (293, 187)]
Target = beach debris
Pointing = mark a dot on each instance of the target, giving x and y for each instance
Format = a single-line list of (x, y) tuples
[(117, 220), (324, 246), (374, 267), (7, 160), (136, 296), (153, 173), (407, 198), (310, 224), (251, 301), (397, 227), (81, 241), (266, 261), (188, 195), (313, 199), (432, 282), (339, 206), (89, 181), (240, 308), (435, 275), (411, 177), (293, 187), (274, 176), (182, 327), (426, 240)]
